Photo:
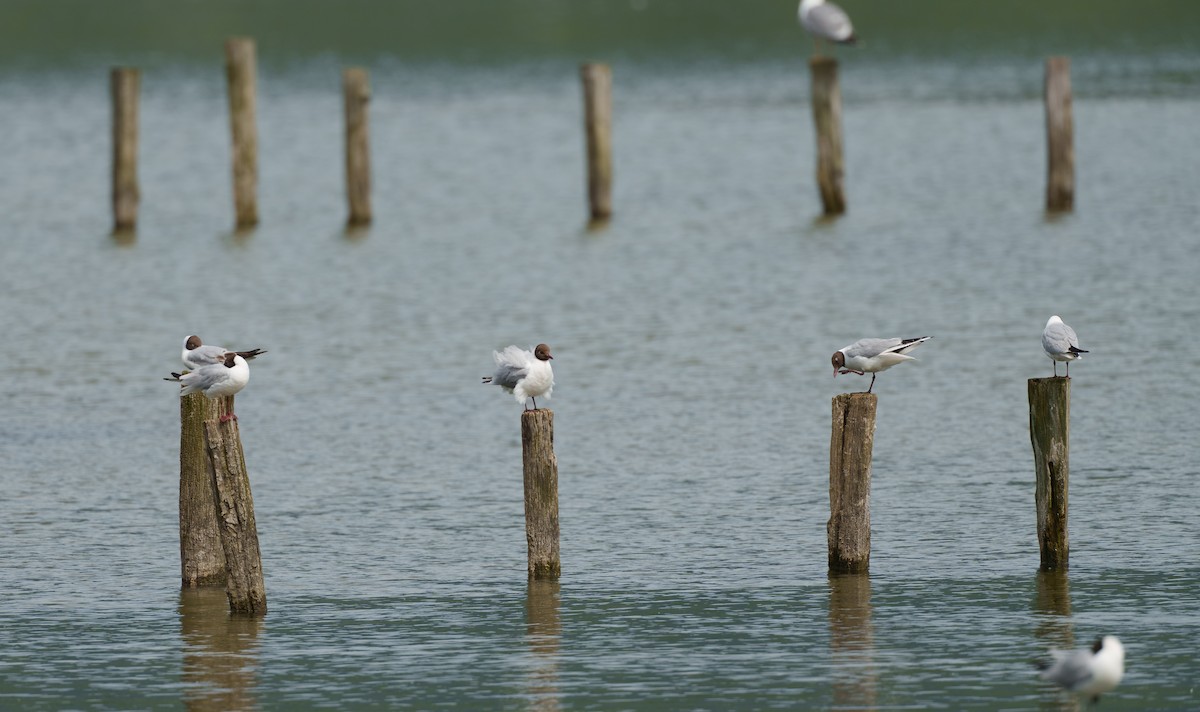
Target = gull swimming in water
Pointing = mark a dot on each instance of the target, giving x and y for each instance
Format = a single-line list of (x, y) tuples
[(1060, 343), (196, 354), (824, 20), (874, 355), (1088, 671), (216, 380), (525, 374)]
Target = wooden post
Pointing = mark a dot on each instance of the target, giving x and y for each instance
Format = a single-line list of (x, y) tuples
[(541, 492), (849, 528), (201, 557), (125, 84), (235, 516), (1050, 431), (1060, 144), (357, 92), (240, 75), (597, 105), (827, 117)]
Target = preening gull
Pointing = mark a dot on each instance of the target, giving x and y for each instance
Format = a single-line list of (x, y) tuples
[(874, 355), (525, 374)]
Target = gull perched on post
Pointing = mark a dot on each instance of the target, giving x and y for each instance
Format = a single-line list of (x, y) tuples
[(525, 374), (1060, 343), (874, 355), (825, 21)]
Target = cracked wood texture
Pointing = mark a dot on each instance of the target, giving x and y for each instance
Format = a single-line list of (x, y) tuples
[(850, 445), (1050, 433), (125, 83), (240, 75), (202, 559), (356, 93), (597, 109), (541, 492), (827, 118), (1060, 142), (235, 518)]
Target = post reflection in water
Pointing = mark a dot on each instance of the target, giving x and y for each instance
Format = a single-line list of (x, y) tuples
[(543, 631), (219, 652), (851, 641), (1052, 607)]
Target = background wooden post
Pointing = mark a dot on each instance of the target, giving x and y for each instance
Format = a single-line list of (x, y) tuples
[(597, 105), (1060, 143), (541, 492), (201, 557), (235, 516), (827, 117), (357, 92), (849, 528), (125, 84), (240, 75), (1050, 431)]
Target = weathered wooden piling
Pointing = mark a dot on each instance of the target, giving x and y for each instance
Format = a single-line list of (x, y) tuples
[(1060, 143), (241, 79), (1050, 432), (202, 559), (597, 107), (827, 118), (125, 85), (541, 492), (357, 92), (235, 517), (850, 445)]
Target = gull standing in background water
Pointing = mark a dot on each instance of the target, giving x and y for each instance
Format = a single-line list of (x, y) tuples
[(1088, 671), (525, 374), (1060, 343), (874, 355), (197, 355), (827, 21), (215, 380)]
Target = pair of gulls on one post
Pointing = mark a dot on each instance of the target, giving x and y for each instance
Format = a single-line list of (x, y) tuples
[(874, 355), (213, 371)]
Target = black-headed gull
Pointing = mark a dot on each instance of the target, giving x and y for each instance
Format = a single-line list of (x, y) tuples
[(197, 355), (525, 374), (874, 355), (216, 380), (826, 21), (1060, 343), (1088, 671)]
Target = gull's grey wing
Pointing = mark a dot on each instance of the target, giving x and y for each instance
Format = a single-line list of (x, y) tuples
[(870, 348), (1059, 338), (205, 355), (512, 364), (830, 22), (1071, 669)]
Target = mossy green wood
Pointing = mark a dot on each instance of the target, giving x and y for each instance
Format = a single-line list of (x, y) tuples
[(1050, 432), (541, 492), (850, 446), (202, 559)]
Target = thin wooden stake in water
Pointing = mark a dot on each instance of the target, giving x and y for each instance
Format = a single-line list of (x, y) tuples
[(201, 556), (240, 74), (597, 105), (235, 516), (850, 446), (541, 492), (125, 84), (357, 92), (827, 117), (1050, 432), (1060, 143)]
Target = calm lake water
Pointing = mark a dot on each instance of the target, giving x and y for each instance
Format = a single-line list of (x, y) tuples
[(691, 338)]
